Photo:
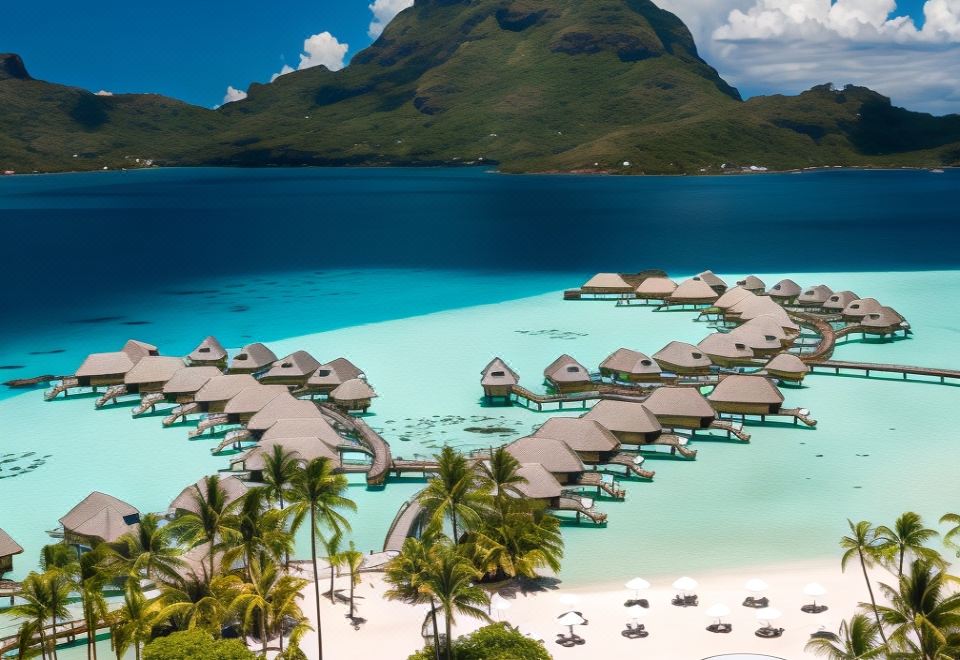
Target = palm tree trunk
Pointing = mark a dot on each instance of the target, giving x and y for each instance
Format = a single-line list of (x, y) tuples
[(331, 580), (436, 632), (351, 593), (136, 650), (53, 633), (449, 644), (902, 553), (456, 537), (263, 631), (43, 641), (212, 539), (873, 601), (316, 576)]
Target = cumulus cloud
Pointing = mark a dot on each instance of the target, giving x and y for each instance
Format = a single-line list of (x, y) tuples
[(234, 94), (104, 92), (282, 72), (383, 13), (323, 49)]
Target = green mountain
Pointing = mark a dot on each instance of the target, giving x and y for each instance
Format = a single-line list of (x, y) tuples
[(531, 85)]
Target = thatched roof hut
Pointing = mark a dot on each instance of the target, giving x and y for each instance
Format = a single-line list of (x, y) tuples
[(554, 455), (629, 365), (858, 309), (753, 284), (693, 292), (785, 290), (656, 288), (109, 368), (732, 297), (9, 548), (767, 324), (761, 342), (355, 394), (787, 366), (251, 400), (303, 427), (682, 358), (294, 369), (606, 283), (151, 373), (185, 383), (567, 375), (284, 406), (815, 296), (839, 300), (99, 518), (304, 449), (746, 395), (631, 423), (712, 280), (498, 379), (210, 352), (186, 501), (726, 351), (682, 407), (538, 483), (251, 359), (336, 372), (884, 321), (588, 438), (750, 307), (217, 391)]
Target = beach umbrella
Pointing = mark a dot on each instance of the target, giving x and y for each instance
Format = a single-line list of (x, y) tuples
[(814, 589), (569, 599), (499, 604), (768, 614), (756, 585), (637, 585), (570, 619), (718, 611), (685, 584)]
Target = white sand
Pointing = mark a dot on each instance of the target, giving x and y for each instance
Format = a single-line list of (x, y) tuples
[(392, 629)]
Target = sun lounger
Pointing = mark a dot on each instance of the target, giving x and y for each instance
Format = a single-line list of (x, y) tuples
[(642, 602), (768, 632), (685, 601), (756, 603), (814, 609), (720, 627), (634, 631), (570, 640)]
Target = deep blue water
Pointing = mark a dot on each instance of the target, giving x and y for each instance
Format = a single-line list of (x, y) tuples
[(244, 253)]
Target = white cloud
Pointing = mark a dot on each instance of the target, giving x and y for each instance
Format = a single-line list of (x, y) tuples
[(383, 13), (104, 92), (284, 71), (323, 49), (234, 94)]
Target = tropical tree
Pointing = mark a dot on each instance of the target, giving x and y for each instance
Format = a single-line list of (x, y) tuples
[(923, 613), (258, 529), (317, 495), (407, 572), (196, 602), (26, 639), (148, 551), (908, 536), (45, 597), (353, 560), (952, 537), (334, 557), (279, 468), (196, 645), (501, 475), (269, 600), (89, 581), (452, 492), (449, 579), (517, 538), (858, 640), (211, 519), (862, 543), (134, 621), (58, 557)]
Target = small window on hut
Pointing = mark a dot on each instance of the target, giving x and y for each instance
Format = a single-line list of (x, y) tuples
[(205, 349), (498, 374), (572, 369), (697, 356)]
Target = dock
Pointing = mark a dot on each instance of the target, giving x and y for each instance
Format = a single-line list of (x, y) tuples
[(836, 366), (405, 524), (373, 441), (574, 503)]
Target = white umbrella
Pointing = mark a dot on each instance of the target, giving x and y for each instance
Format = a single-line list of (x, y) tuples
[(637, 585), (569, 599), (570, 619), (635, 611), (756, 585), (499, 604), (768, 614), (685, 584), (814, 589), (718, 611)]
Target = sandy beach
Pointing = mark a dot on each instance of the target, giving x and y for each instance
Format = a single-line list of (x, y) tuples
[(392, 630)]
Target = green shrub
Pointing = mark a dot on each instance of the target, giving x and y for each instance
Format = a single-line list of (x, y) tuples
[(498, 641), (196, 645)]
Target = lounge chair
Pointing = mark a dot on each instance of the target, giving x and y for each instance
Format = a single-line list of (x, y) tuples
[(686, 601), (720, 627), (569, 641), (824, 634), (814, 608), (756, 603), (768, 632), (634, 631), (642, 602)]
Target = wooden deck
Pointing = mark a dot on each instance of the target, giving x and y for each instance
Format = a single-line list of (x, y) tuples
[(732, 430), (674, 442), (626, 459), (379, 448), (404, 524), (60, 388), (113, 393), (209, 422), (837, 366), (575, 504), (66, 630), (148, 402), (595, 480)]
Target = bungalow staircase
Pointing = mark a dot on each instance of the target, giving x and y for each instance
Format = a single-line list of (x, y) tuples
[(626, 459), (208, 422), (574, 503), (180, 412), (233, 438), (149, 402), (113, 393), (61, 387)]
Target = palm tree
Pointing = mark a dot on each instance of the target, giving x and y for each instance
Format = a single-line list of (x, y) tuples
[(25, 641), (517, 539), (258, 529), (318, 495), (268, 600), (279, 467), (331, 546), (211, 519), (449, 579), (353, 560), (58, 556), (952, 537), (134, 621), (193, 602), (405, 574), (924, 615), (89, 580), (858, 640), (452, 491), (908, 536), (149, 550), (46, 597), (501, 474), (862, 542)]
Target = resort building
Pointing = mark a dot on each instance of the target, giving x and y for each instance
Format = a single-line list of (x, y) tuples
[(770, 324), (815, 296), (294, 370), (839, 301), (750, 307), (607, 283), (725, 350), (303, 427), (785, 291), (656, 288), (555, 456), (746, 395), (592, 442), (186, 501), (217, 391), (753, 284), (185, 383), (538, 484), (763, 344), (101, 369), (210, 353), (732, 297), (99, 518), (788, 367), (630, 423), (884, 321), (353, 395), (693, 292), (680, 407), (630, 366), (151, 373), (331, 375), (249, 401), (252, 359), (498, 379), (8, 548), (683, 359), (712, 280), (567, 375), (857, 310), (303, 449), (284, 406)]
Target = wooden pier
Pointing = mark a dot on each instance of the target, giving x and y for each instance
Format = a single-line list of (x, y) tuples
[(65, 630), (209, 422), (405, 524), (627, 460), (373, 441), (837, 366)]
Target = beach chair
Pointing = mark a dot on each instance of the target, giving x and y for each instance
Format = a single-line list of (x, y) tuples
[(756, 603), (814, 609), (686, 601), (722, 628), (768, 632), (638, 631)]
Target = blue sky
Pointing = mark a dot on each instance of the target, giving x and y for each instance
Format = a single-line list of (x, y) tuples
[(194, 50)]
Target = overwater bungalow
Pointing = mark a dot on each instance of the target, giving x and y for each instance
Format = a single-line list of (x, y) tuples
[(725, 350), (331, 375), (303, 427), (762, 343), (683, 359), (8, 548), (498, 379), (100, 369), (884, 321), (656, 288), (185, 383), (839, 300), (353, 395), (692, 292), (733, 297), (785, 291), (606, 284), (555, 456), (712, 280), (209, 353), (750, 307), (787, 367), (98, 518), (630, 366), (186, 501), (857, 310), (590, 440), (771, 324), (815, 296), (303, 449), (753, 284), (680, 407), (284, 406), (252, 359), (630, 423), (746, 395), (566, 375), (217, 391), (294, 370), (537, 483), (150, 374)]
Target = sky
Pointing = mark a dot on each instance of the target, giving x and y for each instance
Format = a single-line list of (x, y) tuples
[(209, 52)]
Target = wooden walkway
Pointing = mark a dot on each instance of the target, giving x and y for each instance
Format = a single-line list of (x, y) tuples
[(405, 524), (626, 459), (576, 504), (113, 393), (68, 630), (181, 412), (732, 430), (595, 480), (148, 402), (61, 388), (373, 441), (674, 442), (836, 366), (209, 422)]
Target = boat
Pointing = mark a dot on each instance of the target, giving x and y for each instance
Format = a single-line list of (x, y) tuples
[(936, 171)]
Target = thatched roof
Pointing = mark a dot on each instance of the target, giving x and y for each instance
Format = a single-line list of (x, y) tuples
[(284, 406), (754, 306), (117, 362), (628, 361), (353, 390), (101, 516), (884, 317), (209, 350), (681, 354), (733, 296), (752, 283), (296, 365), (693, 290), (497, 372), (839, 300), (657, 286), (678, 402), (785, 289), (190, 379), (746, 389), (223, 388), (153, 369), (817, 295), (756, 338), (304, 449), (566, 370), (608, 281), (303, 427), (623, 417), (578, 433), (335, 372), (538, 483), (8, 546), (766, 324), (186, 501), (862, 307), (788, 363), (253, 357), (725, 346), (711, 279), (254, 399), (552, 454)]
